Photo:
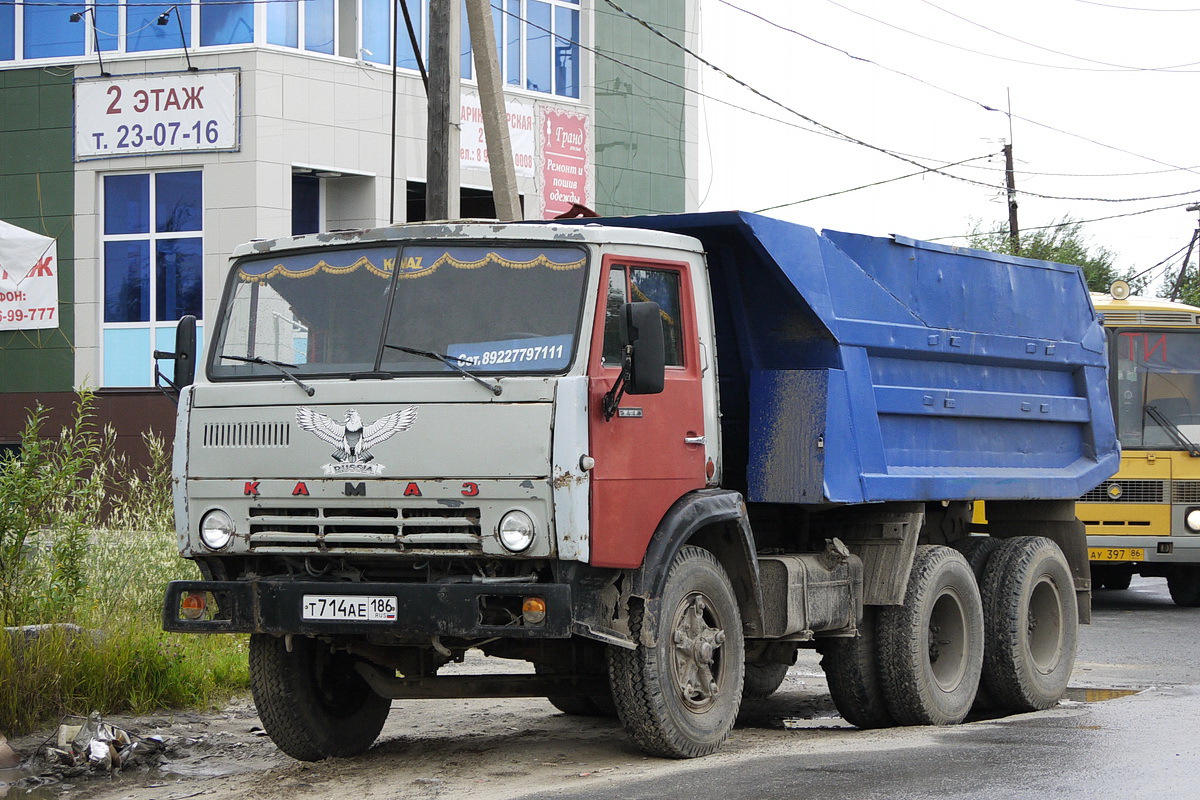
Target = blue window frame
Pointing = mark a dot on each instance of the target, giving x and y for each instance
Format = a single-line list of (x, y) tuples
[(8, 32), (376, 39), (538, 75), (283, 23), (318, 26), (566, 52), (153, 267), (144, 32), (224, 23), (49, 32)]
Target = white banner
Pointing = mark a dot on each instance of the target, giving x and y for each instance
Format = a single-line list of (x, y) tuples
[(173, 112), (28, 279), (473, 145)]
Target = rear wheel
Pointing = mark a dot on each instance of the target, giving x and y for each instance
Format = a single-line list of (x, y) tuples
[(1184, 585), (680, 697), (312, 702), (762, 680), (931, 648), (851, 667), (1032, 624)]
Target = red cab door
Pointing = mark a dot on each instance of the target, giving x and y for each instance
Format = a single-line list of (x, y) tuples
[(651, 452)]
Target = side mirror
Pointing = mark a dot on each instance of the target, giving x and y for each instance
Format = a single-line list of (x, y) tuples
[(642, 338), (184, 355), (643, 368)]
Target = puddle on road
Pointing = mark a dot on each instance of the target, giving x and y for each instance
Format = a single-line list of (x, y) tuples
[(1080, 694)]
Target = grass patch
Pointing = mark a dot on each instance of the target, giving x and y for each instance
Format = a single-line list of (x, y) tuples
[(86, 549)]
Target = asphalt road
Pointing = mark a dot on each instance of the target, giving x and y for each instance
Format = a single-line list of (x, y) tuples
[(1129, 730)]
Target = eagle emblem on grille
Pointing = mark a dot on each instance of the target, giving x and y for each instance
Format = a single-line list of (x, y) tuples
[(352, 440)]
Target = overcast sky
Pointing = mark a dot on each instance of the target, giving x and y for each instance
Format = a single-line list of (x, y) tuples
[(1103, 98)]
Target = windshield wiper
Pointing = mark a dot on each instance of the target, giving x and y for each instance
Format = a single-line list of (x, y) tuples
[(495, 387), (279, 365), (1171, 428)]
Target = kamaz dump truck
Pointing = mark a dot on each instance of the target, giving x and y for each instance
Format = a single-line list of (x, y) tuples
[(653, 456)]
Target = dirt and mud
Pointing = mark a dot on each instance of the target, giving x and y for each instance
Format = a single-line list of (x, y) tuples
[(487, 749)]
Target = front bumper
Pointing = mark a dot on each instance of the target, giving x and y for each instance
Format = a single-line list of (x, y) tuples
[(467, 610), (1158, 549)]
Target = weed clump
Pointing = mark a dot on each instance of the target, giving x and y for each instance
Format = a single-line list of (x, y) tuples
[(86, 548)]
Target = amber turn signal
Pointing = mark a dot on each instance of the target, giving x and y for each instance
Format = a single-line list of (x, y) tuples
[(192, 605), (534, 610)]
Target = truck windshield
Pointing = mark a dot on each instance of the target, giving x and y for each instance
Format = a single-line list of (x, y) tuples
[(322, 312), (1156, 379), (493, 309)]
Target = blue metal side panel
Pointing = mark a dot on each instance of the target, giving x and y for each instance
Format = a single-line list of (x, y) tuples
[(953, 373)]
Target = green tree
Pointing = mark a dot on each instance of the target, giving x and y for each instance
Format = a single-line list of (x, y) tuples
[(1064, 242)]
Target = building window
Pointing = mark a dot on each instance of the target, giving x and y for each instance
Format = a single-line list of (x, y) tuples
[(223, 23), (537, 39), (145, 29), (153, 263)]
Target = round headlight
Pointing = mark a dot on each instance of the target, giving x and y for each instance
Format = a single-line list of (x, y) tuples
[(1192, 520), (216, 529), (516, 531)]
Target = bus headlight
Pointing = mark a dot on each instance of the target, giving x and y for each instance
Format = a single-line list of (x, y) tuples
[(515, 531), (1192, 520), (216, 529)]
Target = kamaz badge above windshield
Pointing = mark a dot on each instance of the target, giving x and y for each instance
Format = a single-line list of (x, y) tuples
[(500, 310)]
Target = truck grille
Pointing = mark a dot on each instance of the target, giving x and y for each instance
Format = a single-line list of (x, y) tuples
[(346, 531), (246, 434), (1131, 492)]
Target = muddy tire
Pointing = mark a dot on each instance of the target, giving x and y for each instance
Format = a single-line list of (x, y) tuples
[(931, 648), (311, 701), (1184, 585), (1032, 624), (852, 670), (977, 550), (762, 680), (680, 698)]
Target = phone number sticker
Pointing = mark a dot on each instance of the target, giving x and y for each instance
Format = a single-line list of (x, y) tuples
[(535, 352)]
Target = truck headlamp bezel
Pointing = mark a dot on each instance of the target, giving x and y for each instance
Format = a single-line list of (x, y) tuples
[(516, 531), (217, 529), (1191, 519)]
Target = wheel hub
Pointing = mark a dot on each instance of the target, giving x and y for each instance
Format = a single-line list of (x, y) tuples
[(697, 642)]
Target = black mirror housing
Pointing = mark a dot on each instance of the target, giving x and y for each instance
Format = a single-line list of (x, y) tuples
[(184, 354), (642, 336)]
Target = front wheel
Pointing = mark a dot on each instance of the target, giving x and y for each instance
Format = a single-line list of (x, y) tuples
[(680, 697), (1184, 585), (312, 702)]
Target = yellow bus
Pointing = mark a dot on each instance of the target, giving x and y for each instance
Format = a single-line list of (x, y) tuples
[(1146, 519)]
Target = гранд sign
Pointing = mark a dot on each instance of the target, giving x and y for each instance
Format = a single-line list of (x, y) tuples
[(171, 112)]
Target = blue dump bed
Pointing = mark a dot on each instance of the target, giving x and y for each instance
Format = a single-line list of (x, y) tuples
[(856, 368)]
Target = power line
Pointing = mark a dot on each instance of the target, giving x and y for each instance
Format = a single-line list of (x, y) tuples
[(868, 185), (952, 93), (1176, 68), (1133, 8), (1072, 222), (1048, 49), (868, 145)]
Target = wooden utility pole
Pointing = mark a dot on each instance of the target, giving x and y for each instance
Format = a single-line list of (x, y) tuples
[(495, 116), (1014, 231), (441, 161)]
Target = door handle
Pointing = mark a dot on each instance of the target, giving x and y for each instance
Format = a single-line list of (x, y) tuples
[(693, 440)]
